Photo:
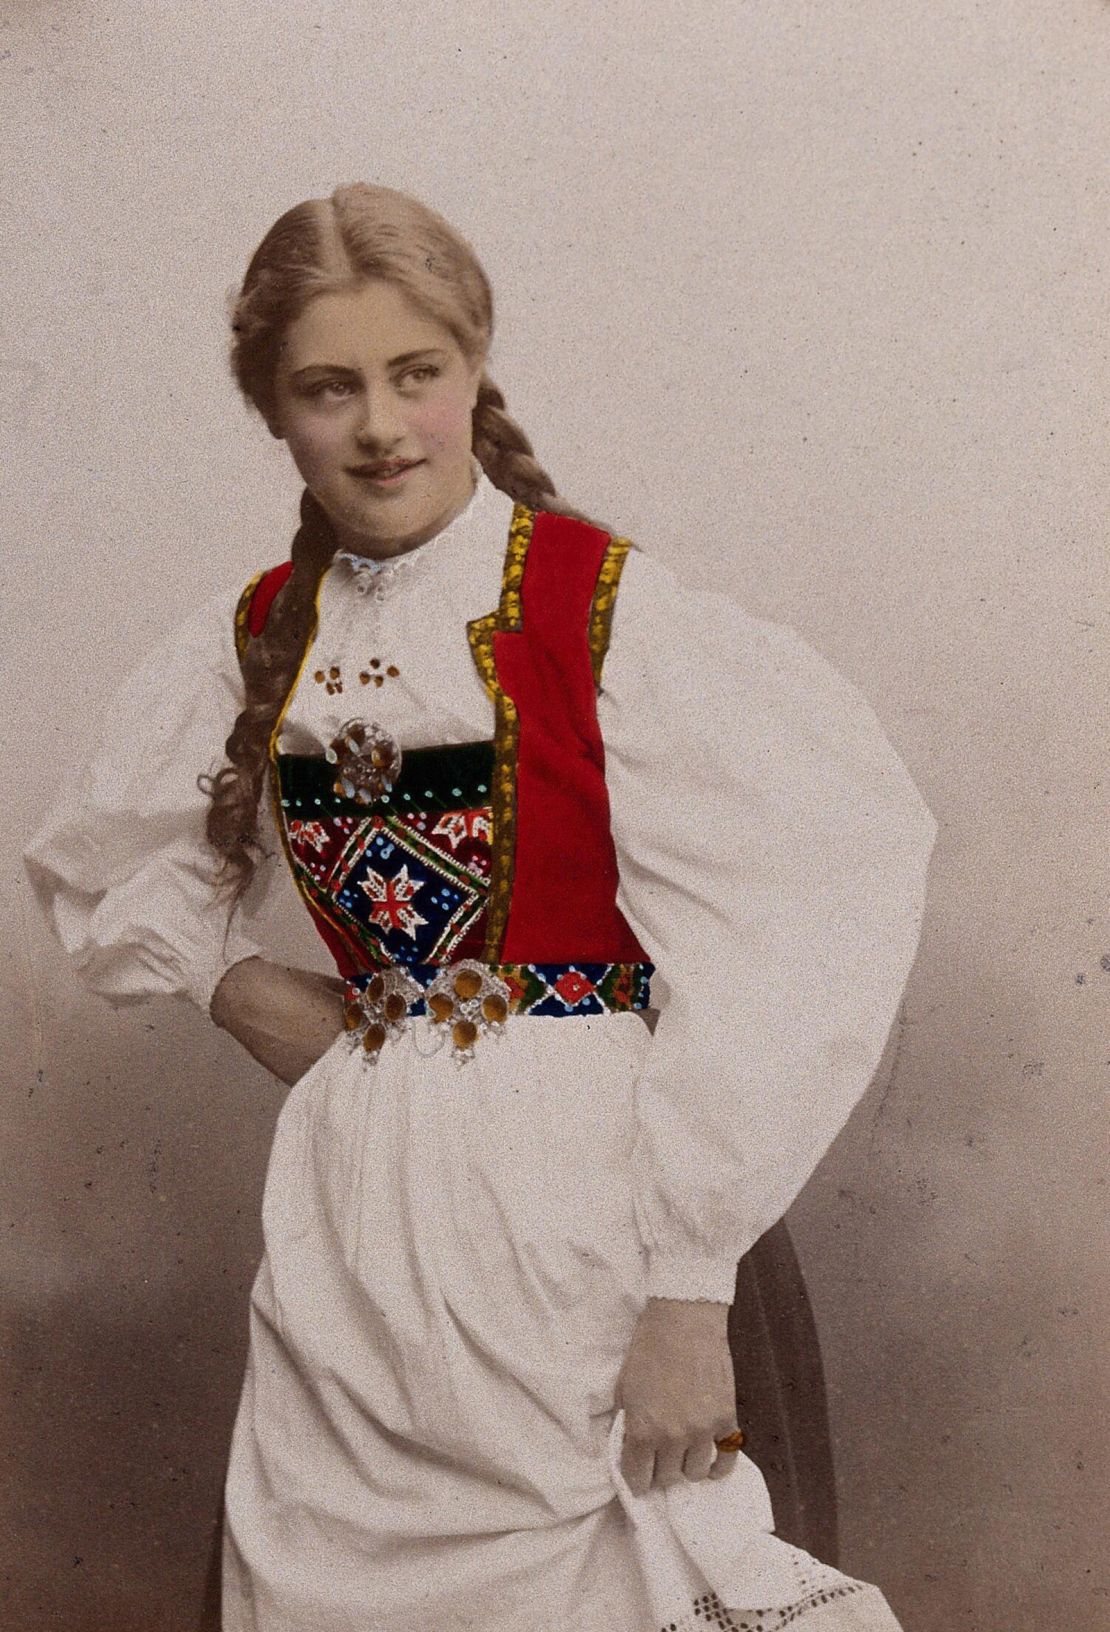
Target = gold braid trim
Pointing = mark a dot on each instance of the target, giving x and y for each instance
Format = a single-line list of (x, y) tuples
[(480, 632), (605, 598), (242, 613)]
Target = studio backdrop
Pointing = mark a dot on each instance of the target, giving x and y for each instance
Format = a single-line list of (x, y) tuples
[(808, 300)]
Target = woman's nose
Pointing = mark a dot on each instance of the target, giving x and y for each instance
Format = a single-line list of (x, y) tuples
[(379, 424)]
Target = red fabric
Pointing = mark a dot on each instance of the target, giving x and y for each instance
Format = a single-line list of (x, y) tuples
[(264, 595), (565, 877), (345, 961)]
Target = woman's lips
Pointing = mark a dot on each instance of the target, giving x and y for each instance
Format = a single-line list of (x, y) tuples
[(384, 475)]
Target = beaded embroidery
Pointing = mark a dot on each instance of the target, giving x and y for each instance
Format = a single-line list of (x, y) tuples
[(404, 879)]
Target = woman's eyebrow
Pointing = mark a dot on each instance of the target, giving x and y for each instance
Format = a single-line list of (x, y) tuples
[(345, 368), (322, 368), (411, 356)]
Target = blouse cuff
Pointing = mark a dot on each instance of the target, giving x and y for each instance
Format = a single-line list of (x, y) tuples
[(201, 980), (690, 1278)]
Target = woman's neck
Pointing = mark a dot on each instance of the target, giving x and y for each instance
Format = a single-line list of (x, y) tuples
[(372, 547)]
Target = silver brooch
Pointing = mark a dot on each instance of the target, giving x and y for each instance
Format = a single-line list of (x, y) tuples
[(380, 1009), (367, 761), (465, 999)]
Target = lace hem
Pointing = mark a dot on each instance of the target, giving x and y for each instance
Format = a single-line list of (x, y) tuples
[(708, 1614)]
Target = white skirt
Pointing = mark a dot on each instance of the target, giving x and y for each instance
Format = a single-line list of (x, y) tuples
[(427, 1439)]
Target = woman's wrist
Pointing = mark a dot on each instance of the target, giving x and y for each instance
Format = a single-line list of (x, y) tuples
[(285, 1018)]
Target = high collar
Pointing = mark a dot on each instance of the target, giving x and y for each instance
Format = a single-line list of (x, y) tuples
[(480, 526), (469, 518)]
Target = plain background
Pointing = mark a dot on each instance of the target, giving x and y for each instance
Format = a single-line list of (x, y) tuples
[(808, 298)]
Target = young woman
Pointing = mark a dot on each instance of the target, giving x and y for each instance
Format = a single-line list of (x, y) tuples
[(526, 784)]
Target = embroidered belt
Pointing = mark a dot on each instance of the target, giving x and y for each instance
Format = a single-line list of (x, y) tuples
[(466, 999)]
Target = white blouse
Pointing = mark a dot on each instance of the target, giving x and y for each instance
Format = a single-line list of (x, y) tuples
[(772, 851)]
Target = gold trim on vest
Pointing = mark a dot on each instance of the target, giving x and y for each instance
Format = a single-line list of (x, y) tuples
[(605, 599), (242, 613), (480, 632)]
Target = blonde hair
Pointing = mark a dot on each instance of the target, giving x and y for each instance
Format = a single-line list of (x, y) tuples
[(321, 246)]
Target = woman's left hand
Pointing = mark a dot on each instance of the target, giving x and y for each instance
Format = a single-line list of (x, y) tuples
[(678, 1393)]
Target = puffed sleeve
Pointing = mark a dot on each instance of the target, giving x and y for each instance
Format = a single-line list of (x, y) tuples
[(122, 865), (773, 853)]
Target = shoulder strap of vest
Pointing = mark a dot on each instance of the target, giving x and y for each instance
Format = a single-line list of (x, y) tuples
[(255, 603), (563, 532)]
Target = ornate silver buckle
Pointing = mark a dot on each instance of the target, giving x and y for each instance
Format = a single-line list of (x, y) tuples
[(380, 1009), (466, 999)]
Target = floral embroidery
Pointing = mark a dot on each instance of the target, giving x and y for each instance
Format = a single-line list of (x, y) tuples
[(459, 825), (311, 833), (392, 899)]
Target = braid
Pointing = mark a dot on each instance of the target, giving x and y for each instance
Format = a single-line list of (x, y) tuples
[(269, 668), (508, 459)]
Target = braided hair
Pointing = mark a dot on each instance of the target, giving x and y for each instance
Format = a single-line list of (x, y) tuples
[(320, 246)]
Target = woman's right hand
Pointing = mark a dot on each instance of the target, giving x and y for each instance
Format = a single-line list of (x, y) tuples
[(286, 1018)]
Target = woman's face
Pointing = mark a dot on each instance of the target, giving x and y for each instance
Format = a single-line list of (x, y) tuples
[(374, 400)]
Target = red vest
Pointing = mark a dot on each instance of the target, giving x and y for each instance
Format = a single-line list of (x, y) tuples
[(554, 875)]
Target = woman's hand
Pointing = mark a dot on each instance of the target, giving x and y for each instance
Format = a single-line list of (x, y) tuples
[(287, 1018), (678, 1393)]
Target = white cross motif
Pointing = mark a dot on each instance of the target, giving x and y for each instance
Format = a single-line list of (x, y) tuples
[(392, 899)]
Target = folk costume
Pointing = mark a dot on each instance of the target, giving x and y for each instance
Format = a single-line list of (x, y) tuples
[(526, 785)]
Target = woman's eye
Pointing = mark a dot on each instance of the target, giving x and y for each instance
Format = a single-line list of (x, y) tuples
[(421, 374), (334, 389)]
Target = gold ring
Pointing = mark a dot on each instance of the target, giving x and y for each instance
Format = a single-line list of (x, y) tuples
[(731, 1442)]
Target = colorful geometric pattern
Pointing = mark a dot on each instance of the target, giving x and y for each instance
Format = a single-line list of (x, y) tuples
[(401, 886), (556, 989), (407, 888)]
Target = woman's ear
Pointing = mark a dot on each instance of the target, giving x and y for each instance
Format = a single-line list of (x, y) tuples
[(477, 370)]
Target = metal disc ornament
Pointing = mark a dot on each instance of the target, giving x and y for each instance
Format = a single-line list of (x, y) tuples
[(367, 761)]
